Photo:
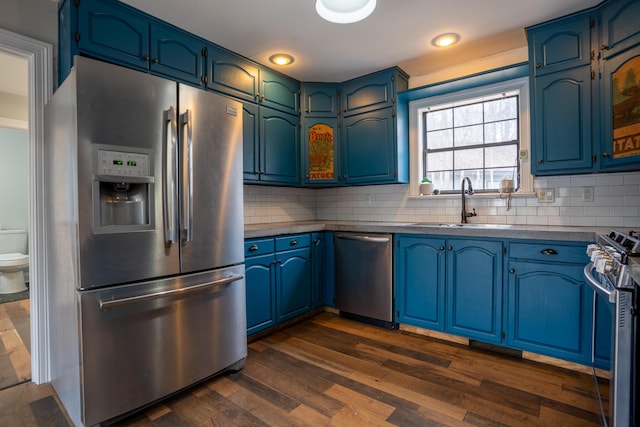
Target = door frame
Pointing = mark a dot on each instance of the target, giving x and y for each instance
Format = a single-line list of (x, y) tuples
[(39, 56)]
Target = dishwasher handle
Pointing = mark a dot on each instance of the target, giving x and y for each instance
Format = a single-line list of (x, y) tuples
[(105, 305), (363, 238)]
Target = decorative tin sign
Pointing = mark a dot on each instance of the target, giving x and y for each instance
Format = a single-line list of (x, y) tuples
[(321, 152), (626, 109)]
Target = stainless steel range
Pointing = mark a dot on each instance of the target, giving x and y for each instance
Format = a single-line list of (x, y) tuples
[(609, 274)]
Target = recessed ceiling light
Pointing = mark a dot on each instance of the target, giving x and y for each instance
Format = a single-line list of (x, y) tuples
[(446, 40), (345, 11), (281, 59)]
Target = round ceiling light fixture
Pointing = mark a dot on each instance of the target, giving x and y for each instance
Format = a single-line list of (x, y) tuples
[(345, 11), (445, 40), (281, 59)]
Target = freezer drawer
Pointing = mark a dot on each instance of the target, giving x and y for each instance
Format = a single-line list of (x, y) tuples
[(144, 341), (364, 284)]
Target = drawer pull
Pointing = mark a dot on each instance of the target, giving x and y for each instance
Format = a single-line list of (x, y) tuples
[(549, 252), (253, 248), (293, 242)]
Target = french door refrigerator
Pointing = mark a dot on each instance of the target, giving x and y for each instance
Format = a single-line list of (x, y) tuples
[(145, 260)]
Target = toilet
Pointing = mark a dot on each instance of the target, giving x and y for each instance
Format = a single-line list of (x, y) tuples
[(13, 260)]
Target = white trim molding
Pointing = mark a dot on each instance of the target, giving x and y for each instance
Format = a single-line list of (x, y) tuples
[(39, 56)]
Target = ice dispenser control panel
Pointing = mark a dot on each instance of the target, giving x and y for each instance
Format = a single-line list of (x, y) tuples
[(123, 163)]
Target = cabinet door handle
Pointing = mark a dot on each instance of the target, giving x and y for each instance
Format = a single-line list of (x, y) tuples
[(549, 251), (605, 155), (146, 57), (441, 249), (604, 47), (156, 60), (253, 248), (512, 271), (450, 247), (540, 161), (316, 242), (293, 242), (538, 65)]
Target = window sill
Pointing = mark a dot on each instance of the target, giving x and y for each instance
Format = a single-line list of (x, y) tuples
[(518, 195)]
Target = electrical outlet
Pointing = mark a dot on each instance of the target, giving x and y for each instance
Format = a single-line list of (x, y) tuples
[(546, 195), (587, 194)]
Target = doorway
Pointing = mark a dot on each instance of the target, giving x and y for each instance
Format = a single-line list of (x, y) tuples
[(38, 59)]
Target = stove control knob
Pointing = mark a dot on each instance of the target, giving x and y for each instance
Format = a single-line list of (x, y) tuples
[(597, 253), (592, 247), (604, 264)]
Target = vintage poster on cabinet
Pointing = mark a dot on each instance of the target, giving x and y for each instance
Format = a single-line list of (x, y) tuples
[(626, 109), (321, 150)]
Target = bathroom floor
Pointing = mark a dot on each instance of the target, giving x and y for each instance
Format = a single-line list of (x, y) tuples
[(15, 343)]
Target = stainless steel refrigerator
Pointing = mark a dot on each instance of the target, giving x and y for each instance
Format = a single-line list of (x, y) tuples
[(145, 233)]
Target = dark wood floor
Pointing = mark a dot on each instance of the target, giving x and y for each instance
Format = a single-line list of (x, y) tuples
[(332, 371)]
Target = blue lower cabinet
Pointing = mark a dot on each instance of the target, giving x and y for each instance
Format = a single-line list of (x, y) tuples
[(261, 292), (318, 269), (550, 310), (293, 276), (419, 281), (474, 289)]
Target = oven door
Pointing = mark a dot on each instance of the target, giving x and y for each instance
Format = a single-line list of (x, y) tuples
[(600, 283)]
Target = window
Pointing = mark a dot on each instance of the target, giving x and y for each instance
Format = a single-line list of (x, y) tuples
[(477, 138), (481, 132)]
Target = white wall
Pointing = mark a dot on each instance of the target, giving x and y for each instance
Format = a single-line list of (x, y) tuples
[(14, 160), (37, 19)]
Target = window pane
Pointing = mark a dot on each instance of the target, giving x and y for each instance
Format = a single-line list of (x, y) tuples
[(468, 114), (468, 159), (443, 181), (440, 139), (502, 155), (501, 109), (468, 135), (476, 177), (494, 176), (440, 161), (439, 119), (504, 131)]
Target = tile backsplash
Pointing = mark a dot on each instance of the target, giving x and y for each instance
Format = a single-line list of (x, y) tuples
[(606, 200)]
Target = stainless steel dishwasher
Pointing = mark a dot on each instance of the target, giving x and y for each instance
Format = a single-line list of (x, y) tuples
[(364, 282)]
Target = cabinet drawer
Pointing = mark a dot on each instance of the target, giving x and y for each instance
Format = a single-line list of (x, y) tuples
[(552, 252), (292, 242), (258, 247)]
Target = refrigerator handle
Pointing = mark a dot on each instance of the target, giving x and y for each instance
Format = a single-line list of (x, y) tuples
[(170, 172), (186, 220)]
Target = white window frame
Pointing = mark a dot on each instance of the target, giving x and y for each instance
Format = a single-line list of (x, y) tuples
[(416, 131)]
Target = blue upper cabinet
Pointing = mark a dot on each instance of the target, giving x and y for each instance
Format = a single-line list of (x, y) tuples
[(320, 99), (582, 109), (619, 26), (232, 74), (368, 93), (251, 141), (279, 147), (176, 55), (279, 91), (562, 122), (114, 32), (109, 31), (556, 49)]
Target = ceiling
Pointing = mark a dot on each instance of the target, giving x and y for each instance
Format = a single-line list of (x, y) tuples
[(398, 32)]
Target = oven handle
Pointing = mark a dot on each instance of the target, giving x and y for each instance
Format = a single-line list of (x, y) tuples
[(105, 305), (595, 284)]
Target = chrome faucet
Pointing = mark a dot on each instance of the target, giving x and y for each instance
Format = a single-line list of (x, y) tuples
[(466, 214)]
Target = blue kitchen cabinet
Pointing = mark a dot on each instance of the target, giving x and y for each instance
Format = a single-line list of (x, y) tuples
[(260, 279), (231, 74), (419, 266), (278, 279), (251, 142), (279, 92), (114, 32), (474, 289), (561, 128), (279, 147), (271, 146), (320, 142), (550, 308), (318, 269), (619, 26), (370, 152), (330, 266), (320, 100), (293, 276)]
